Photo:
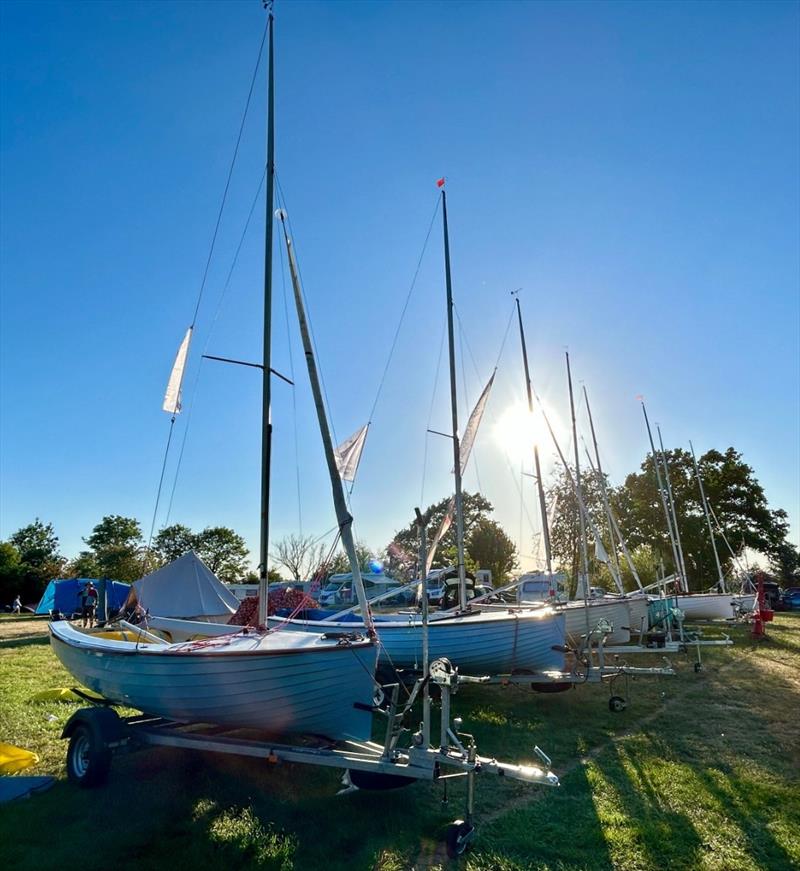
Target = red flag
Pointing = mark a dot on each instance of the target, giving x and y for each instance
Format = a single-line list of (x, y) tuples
[(440, 182)]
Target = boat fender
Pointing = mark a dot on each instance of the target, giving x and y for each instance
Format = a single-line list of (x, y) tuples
[(105, 723)]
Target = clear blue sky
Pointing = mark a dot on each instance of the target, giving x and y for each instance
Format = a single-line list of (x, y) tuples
[(632, 166)]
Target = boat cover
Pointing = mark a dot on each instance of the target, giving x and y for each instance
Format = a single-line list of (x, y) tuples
[(185, 588)]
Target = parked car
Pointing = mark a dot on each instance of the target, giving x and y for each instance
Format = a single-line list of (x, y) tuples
[(791, 599)]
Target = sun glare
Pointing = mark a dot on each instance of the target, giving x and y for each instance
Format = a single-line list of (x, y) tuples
[(517, 430)]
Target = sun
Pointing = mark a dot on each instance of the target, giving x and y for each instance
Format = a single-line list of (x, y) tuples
[(517, 430)]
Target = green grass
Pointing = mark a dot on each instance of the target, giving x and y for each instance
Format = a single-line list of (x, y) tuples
[(700, 772)]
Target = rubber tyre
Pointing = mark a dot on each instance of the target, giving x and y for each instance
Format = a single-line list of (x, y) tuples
[(88, 758), (616, 704), (698, 667), (455, 846)]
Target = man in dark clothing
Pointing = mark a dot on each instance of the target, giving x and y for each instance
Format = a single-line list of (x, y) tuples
[(88, 604)]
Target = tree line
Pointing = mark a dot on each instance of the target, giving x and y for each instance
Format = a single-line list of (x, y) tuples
[(116, 547)]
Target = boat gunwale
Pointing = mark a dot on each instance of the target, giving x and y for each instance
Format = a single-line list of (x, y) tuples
[(153, 649)]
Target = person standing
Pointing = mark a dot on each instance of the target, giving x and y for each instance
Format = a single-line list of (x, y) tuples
[(88, 604), (16, 608)]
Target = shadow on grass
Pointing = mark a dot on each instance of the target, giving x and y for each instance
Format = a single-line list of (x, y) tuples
[(25, 641)]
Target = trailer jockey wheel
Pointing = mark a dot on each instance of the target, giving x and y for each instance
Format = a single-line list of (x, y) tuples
[(457, 839), (698, 667), (88, 757), (616, 704)]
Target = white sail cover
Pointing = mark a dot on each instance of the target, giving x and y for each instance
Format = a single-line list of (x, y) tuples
[(464, 450), (348, 454), (172, 397), (185, 588)]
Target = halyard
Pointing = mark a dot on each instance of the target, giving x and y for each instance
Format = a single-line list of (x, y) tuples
[(700, 772)]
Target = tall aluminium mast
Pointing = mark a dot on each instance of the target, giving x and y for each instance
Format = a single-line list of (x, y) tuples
[(664, 505), (266, 411), (703, 499), (459, 506), (538, 471)]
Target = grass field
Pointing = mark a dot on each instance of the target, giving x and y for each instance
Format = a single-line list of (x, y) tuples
[(700, 772)]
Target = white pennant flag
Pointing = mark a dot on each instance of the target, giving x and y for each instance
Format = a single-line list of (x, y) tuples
[(172, 397), (348, 454)]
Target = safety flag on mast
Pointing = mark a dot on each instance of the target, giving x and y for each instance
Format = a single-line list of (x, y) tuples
[(172, 397), (348, 454), (464, 451)]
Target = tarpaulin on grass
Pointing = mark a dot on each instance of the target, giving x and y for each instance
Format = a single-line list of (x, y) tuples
[(15, 759)]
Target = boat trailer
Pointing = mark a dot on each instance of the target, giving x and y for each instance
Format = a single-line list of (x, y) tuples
[(96, 733)]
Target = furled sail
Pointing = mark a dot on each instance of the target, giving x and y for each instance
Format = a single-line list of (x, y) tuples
[(348, 454), (464, 450), (172, 397)]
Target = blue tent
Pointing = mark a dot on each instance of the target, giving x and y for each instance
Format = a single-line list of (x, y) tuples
[(64, 596)]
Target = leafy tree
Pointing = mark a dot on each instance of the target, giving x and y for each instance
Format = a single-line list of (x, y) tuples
[(299, 555), (174, 541), (11, 572), (39, 559), (340, 564), (223, 551), (84, 565), (37, 544), (565, 526), (490, 548), (738, 501), (116, 545), (252, 577), (406, 541)]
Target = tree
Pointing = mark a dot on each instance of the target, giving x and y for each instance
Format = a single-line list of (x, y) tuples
[(340, 564), (252, 577), (406, 541), (116, 545), (174, 541), (565, 540), (39, 559), (299, 555), (223, 551), (490, 548), (11, 572), (737, 499), (84, 565)]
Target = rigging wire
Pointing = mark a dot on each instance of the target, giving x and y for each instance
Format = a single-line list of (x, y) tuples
[(430, 414), (215, 318), (208, 263)]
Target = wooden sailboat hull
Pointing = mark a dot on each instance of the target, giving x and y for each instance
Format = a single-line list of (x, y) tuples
[(478, 644), (707, 606), (277, 682)]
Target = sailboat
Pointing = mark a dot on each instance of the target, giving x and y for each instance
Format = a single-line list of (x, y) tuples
[(283, 682), (719, 605), (478, 640)]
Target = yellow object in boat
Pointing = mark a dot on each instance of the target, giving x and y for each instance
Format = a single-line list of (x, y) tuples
[(15, 759)]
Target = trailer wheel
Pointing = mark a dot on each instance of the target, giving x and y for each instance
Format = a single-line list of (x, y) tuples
[(457, 839), (88, 758), (616, 704), (698, 667)]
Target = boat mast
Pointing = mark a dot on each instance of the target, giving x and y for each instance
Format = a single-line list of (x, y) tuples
[(612, 525), (664, 505), (579, 492), (459, 506), (708, 520), (672, 508), (266, 412), (537, 468), (343, 516)]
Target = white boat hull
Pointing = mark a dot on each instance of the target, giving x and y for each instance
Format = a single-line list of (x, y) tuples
[(282, 683), (612, 610), (707, 606), (484, 642)]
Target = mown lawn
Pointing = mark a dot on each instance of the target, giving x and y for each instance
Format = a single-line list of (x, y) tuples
[(701, 772)]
